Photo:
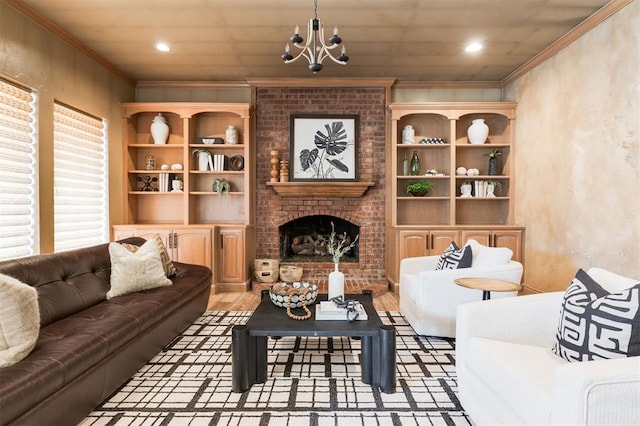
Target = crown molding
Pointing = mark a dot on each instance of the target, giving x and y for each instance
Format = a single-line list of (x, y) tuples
[(55, 29), (149, 84), (581, 29), (447, 85)]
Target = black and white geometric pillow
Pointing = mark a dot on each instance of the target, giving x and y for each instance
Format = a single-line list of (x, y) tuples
[(455, 257), (595, 324)]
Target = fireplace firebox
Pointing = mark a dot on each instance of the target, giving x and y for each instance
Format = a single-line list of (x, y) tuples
[(306, 239)]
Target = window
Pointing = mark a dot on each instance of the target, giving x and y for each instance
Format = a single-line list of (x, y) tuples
[(18, 173), (79, 179)]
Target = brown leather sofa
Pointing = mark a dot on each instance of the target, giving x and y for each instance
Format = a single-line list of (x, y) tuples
[(89, 346)]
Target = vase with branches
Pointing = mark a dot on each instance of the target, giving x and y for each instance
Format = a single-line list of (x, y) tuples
[(493, 161), (338, 247)]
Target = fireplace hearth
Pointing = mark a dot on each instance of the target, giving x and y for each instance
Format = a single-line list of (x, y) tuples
[(306, 239)]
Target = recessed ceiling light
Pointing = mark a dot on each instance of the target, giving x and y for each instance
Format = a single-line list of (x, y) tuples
[(163, 47), (473, 47)]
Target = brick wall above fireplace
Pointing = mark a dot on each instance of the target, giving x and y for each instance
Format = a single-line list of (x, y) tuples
[(274, 105)]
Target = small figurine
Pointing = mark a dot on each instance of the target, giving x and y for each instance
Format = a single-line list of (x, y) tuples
[(147, 183)]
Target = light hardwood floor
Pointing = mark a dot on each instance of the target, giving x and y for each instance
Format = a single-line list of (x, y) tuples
[(248, 301)]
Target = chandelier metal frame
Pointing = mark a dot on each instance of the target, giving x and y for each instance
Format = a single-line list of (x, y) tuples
[(315, 49)]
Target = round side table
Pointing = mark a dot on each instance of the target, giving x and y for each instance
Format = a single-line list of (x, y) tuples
[(487, 285)]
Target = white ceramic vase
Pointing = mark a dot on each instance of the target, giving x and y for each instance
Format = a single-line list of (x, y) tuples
[(478, 131), (408, 134), (336, 283), (465, 190), (203, 161), (491, 190), (232, 135), (159, 130)]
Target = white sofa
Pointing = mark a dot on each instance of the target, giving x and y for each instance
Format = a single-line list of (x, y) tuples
[(508, 375), (429, 299)]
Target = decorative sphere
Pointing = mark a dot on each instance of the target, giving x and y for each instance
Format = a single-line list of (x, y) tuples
[(461, 171)]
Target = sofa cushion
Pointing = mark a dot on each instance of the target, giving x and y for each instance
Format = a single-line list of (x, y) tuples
[(19, 320), (487, 257), (132, 272), (521, 374), (454, 257), (596, 324), (611, 282)]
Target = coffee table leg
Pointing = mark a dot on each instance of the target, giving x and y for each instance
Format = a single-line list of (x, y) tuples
[(260, 351), (387, 359), (366, 361), (242, 369)]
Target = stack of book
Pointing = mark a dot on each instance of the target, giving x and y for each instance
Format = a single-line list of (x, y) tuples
[(218, 163), (329, 311), (163, 182)]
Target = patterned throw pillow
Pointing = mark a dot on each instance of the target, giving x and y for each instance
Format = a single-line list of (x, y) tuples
[(455, 257), (595, 324), (132, 272), (168, 266)]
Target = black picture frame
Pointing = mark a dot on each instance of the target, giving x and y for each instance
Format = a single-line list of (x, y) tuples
[(324, 148)]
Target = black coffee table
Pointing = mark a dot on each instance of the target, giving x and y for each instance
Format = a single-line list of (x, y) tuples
[(249, 342)]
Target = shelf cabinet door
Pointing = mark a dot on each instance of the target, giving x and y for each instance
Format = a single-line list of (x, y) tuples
[(413, 244), (192, 246), (426, 243), (188, 245), (484, 237), (231, 258), (440, 240), (509, 238)]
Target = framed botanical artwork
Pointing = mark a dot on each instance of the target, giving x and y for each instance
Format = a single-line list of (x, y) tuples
[(324, 147)]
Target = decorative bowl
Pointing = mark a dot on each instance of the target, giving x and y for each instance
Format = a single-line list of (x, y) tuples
[(279, 296)]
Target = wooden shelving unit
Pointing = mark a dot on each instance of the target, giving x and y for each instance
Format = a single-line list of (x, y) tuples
[(197, 207), (419, 226)]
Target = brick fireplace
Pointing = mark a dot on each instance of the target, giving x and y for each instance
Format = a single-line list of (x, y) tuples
[(274, 105)]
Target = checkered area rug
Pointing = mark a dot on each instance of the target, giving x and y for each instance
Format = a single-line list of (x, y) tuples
[(312, 381)]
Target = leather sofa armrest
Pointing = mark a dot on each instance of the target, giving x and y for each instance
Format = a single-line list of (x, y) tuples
[(596, 392)]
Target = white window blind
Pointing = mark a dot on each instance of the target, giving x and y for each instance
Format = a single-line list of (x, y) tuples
[(79, 179), (18, 173)]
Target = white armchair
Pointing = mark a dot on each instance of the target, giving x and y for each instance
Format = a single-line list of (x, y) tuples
[(429, 298), (508, 374)]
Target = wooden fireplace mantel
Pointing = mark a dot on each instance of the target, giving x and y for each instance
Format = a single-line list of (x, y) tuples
[(320, 189)]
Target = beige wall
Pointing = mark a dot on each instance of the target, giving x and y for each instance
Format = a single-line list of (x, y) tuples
[(578, 155), (35, 58)]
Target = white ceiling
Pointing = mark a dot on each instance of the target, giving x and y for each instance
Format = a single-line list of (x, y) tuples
[(230, 40)]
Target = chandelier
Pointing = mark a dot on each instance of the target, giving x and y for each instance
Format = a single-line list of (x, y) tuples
[(315, 49)]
